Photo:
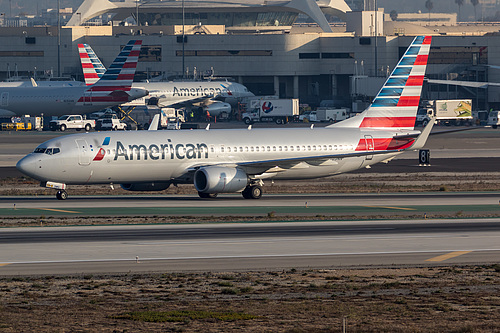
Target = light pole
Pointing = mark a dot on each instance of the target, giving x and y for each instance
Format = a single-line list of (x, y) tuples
[(137, 12), (58, 38), (183, 38), (376, 49)]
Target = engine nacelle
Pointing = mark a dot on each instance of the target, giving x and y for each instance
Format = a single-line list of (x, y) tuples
[(152, 186), (220, 180), (216, 108)]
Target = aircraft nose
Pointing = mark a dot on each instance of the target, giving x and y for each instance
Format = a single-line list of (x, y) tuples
[(27, 165)]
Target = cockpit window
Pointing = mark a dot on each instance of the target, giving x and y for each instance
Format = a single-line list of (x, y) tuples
[(48, 151)]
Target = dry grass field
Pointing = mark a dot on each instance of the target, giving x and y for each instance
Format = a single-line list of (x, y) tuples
[(424, 299)]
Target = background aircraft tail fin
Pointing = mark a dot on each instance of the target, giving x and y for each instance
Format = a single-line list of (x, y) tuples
[(120, 74), (396, 104), (92, 67)]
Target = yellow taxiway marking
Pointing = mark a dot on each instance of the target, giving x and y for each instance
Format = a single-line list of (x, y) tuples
[(59, 210), (3, 264), (448, 256), (401, 208)]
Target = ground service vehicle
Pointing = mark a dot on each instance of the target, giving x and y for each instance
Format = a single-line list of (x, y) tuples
[(494, 119), (279, 111), (446, 112), (110, 122), (325, 114), (75, 121)]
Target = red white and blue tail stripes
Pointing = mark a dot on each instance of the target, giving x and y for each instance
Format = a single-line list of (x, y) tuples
[(397, 102), (92, 67), (117, 79)]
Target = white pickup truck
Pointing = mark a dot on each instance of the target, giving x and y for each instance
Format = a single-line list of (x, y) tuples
[(71, 121)]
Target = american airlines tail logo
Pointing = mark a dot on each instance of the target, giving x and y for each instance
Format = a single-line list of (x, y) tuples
[(102, 152), (267, 107)]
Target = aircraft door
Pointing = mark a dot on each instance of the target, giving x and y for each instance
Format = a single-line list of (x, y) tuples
[(83, 152), (370, 146), (5, 99)]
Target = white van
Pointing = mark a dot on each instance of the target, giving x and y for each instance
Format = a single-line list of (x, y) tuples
[(494, 119)]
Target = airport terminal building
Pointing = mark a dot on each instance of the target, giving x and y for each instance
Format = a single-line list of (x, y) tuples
[(339, 55)]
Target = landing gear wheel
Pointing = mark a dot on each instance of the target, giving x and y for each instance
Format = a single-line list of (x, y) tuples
[(252, 192), (207, 195), (62, 195)]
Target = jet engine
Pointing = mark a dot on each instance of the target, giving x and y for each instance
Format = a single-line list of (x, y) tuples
[(145, 186), (217, 108), (220, 180)]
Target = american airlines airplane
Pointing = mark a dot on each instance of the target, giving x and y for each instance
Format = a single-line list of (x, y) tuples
[(176, 94), (113, 88), (239, 160)]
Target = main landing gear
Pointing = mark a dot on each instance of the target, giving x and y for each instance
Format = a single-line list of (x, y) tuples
[(207, 195), (62, 195), (252, 192)]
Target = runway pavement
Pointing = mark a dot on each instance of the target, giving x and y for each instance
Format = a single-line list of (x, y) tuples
[(255, 246), (234, 205)]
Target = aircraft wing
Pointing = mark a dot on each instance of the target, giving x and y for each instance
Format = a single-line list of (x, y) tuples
[(277, 165), (181, 102)]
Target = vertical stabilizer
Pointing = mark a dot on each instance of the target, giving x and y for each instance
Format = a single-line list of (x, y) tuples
[(120, 74), (396, 104), (113, 87), (92, 67)]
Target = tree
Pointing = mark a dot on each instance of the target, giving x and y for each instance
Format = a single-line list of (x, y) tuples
[(460, 3), (429, 5), (394, 15), (475, 3)]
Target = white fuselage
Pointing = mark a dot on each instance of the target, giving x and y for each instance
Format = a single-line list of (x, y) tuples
[(173, 93), (56, 101), (171, 156)]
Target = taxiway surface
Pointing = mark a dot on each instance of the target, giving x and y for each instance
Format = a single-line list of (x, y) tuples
[(255, 246)]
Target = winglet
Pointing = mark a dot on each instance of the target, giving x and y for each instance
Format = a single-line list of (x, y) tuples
[(422, 138), (154, 123)]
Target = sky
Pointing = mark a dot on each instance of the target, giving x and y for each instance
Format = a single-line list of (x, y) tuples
[(401, 6)]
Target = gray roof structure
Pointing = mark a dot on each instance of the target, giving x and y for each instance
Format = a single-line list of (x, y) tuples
[(251, 13)]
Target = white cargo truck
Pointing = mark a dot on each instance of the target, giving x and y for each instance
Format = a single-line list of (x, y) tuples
[(280, 111), (447, 112)]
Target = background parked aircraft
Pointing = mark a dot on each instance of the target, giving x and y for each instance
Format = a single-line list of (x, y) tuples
[(113, 88), (213, 95)]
